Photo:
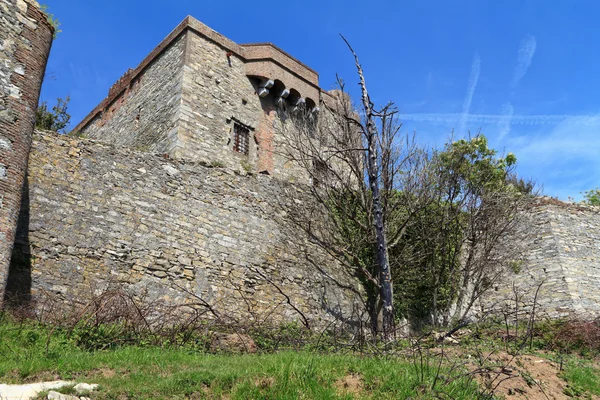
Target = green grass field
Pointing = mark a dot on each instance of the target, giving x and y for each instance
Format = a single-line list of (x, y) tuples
[(33, 353), (30, 352)]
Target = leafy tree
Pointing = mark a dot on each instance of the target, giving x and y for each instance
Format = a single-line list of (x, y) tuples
[(592, 197), (452, 251), (55, 120), (427, 224)]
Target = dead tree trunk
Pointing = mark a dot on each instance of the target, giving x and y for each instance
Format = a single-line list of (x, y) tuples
[(371, 134)]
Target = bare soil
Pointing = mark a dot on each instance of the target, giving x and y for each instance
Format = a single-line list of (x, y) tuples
[(521, 377)]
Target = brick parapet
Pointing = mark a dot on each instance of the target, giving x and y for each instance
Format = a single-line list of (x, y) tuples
[(26, 37)]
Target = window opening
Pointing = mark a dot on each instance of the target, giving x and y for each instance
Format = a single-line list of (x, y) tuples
[(320, 172), (241, 138)]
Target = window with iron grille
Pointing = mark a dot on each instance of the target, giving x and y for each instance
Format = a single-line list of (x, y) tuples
[(241, 138)]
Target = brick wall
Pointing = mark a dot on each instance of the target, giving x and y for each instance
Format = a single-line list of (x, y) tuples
[(25, 40)]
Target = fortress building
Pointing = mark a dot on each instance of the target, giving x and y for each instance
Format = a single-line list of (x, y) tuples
[(177, 190), (176, 194), (201, 97)]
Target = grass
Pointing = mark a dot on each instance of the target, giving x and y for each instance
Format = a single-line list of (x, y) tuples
[(145, 366), (582, 378), (32, 352)]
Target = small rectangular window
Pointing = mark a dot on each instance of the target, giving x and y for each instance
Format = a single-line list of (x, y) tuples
[(241, 138), (320, 172)]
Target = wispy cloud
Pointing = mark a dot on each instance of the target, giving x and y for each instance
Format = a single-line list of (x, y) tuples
[(565, 158), (473, 79), (539, 119), (508, 111), (524, 57)]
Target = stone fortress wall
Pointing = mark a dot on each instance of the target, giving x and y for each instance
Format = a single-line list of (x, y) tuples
[(97, 217), (25, 40), (157, 203), (560, 243), (186, 96)]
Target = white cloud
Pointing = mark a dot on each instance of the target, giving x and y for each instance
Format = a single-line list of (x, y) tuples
[(565, 160), (525, 55)]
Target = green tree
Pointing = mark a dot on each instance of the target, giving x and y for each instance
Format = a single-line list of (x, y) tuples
[(56, 119), (452, 250), (592, 197)]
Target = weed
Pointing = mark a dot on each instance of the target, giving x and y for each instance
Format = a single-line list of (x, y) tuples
[(217, 164), (246, 166), (52, 20)]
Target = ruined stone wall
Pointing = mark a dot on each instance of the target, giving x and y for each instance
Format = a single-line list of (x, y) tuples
[(25, 40), (561, 244), (97, 215), (145, 113)]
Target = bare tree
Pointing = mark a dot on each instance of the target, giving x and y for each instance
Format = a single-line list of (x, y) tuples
[(361, 169), (430, 222)]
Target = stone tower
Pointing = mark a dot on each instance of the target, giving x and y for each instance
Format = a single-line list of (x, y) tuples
[(25, 40)]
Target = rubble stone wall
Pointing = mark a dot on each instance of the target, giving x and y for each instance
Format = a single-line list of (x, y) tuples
[(561, 244), (174, 232), (144, 114)]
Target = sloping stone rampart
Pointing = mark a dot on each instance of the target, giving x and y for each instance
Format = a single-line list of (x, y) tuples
[(561, 252)]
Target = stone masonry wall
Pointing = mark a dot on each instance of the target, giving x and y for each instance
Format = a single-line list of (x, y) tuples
[(98, 216), (145, 115), (186, 96), (25, 40), (561, 245), (216, 92)]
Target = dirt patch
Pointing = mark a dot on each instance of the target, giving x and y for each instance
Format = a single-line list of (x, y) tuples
[(42, 376), (351, 384), (264, 382), (521, 377), (233, 343)]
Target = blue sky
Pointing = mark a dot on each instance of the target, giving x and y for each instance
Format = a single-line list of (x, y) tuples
[(521, 72)]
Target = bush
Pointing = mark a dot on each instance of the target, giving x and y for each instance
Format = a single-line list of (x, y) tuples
[(56, 120)]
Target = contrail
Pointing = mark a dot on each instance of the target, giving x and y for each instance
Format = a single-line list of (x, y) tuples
[(541, 119), (508, 111), (473, 79)]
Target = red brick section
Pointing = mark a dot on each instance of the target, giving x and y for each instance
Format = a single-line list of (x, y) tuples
[(262, 59), (32, 49), (268, 51), (264, 139)]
